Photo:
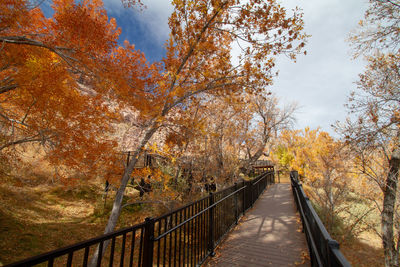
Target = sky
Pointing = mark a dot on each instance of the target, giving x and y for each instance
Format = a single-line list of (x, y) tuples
[(147, 28), (319, 82)]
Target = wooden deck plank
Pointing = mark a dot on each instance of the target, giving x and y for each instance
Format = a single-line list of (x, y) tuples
[(268, 235)]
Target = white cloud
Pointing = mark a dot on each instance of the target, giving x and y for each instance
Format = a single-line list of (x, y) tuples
[(321, 81), (154, 17)]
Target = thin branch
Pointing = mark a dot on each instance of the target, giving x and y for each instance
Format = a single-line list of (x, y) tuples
[(5, 89), (22, 40), (27, 112), (21, 141), (192, 93)]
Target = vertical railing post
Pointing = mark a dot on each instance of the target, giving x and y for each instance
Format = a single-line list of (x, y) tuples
[(270, 177), (265, 183), (236, 204), (332, 244), (148, 245), (244, 197), (251, 194), (273, 176), (279, 176), (299, 188), (295, 175), (211, 226), (258, 189)]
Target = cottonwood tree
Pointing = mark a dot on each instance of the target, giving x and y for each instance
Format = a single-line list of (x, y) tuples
[(238, 126), (328, 165), (64, 82), (324, 165), (199, 139), (376, 132), (198, 61), (267, 121), (50, 91), (376, 105), (291, 151), (223, 119), (205, 139)]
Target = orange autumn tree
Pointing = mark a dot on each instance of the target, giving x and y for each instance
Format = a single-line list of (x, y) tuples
[(323, 164), (199, 64), (57, 81), (42, 61)]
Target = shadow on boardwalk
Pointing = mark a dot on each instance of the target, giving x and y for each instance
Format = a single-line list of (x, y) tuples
[(268, 235)]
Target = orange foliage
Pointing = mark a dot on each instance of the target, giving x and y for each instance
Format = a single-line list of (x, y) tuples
[(64, 79), (52, 84)]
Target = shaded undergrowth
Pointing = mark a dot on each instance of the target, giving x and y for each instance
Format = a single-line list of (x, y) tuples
[(38, 218), (356, 233)]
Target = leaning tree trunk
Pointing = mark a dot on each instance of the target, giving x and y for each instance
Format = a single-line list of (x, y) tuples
[(389, 202), (246, 167), (116, 209)]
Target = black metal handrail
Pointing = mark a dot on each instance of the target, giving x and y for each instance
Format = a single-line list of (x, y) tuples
[(183, 237), (324, 251)]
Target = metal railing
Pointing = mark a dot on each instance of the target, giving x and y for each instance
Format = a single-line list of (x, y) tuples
[(184, 237), (324, 251)]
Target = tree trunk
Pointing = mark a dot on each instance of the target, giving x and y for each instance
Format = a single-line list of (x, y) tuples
[(178, 171), (246, 167), (116, 209), (259, 151), (389, 201)]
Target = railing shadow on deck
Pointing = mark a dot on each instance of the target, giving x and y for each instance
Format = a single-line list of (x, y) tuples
[(276, 215), (184, 237), (324, 251)]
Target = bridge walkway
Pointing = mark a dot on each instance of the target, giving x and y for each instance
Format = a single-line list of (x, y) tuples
[(268, 235)]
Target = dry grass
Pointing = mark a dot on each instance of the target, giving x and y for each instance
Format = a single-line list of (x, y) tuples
[(37, 216), (34, 219), (360, 245), (363, 252), (365, 247)]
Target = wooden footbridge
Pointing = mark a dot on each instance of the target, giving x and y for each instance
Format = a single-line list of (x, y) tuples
[(268, 235), (253, 223)]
